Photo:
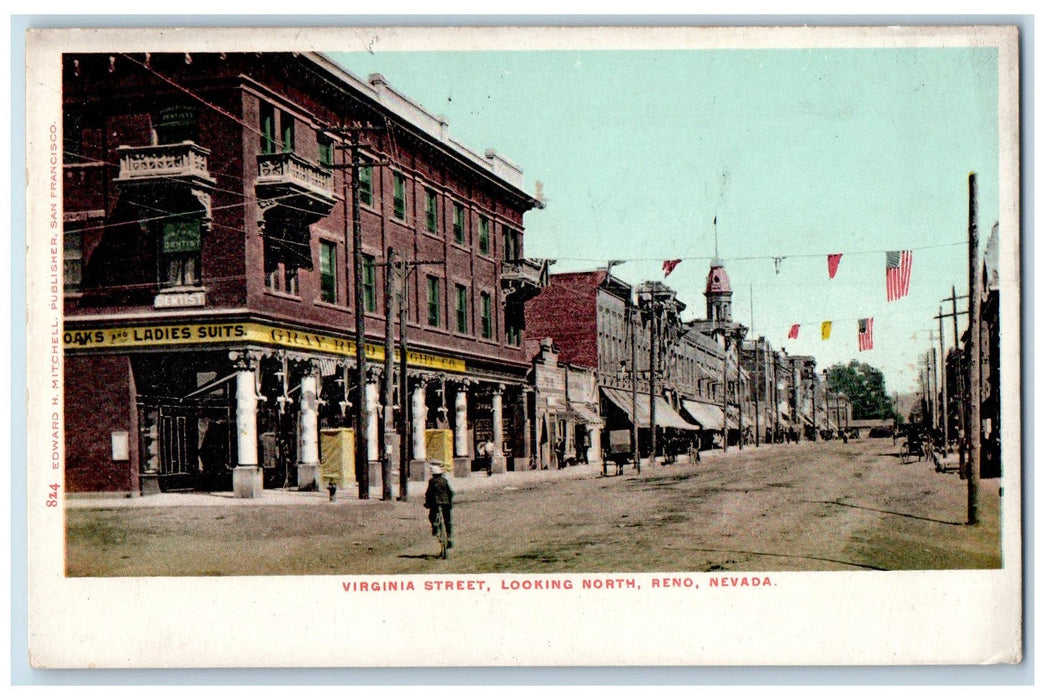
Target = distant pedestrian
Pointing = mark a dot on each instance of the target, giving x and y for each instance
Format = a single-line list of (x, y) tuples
[(560, 452)]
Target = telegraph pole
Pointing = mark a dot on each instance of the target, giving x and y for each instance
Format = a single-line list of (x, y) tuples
[(634, 388), (945, 408), (362, 416), (388, 393), (404, 391), (973, 430), (402, 269), (353, 163), (725, 393), (740, 400), (653, 317)]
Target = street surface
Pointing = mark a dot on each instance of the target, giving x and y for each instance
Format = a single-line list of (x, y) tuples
[(806, 507)]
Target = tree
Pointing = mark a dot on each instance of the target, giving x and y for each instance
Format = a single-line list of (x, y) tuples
[(864, 385)]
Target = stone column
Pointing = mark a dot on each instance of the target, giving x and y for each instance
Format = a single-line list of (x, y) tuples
[(461, 422), (373, 429), (246, 475), (418, 410), (462, 448), (308, 417), (498, 463)]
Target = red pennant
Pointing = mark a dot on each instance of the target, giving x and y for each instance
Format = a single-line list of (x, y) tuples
[(670, 265), (832, 264), (793, 333)]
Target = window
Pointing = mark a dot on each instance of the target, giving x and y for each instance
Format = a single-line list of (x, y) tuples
[(512, 333), (369, 283), (398, 196), (180, 253), (328, 272), (73, 258), (458, 223), (484, 235), (287, 122), (433, 301), (267, 119), (366, 186), (326, 151), (461, 307), (431, 211), (511, 243), (486, 315), (287, 250)]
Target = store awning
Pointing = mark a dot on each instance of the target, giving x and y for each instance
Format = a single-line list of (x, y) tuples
[(709, 417), (666, 417), (586, 413)]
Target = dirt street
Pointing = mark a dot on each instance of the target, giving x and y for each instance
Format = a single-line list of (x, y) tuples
[(807, 507)]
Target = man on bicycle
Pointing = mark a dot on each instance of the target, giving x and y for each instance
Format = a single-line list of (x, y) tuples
[(440, 497)]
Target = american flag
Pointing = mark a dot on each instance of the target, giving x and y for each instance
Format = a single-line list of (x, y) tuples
[(865, 333), (897, 274)]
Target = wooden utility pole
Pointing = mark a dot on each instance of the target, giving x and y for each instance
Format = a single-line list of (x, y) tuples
[(653, 324), (635, 457), (740, 400), (944, 402), (725, 392), (973, 427), (362, 416), (388, 393), (404, 389)]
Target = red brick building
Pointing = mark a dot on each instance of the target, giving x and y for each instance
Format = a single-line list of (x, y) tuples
[(595, 320), (209, 300)]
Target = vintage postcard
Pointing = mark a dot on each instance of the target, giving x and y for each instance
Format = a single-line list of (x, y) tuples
[(589, 346)]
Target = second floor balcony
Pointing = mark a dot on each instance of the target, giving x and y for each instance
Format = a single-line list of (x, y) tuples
[(172, 163), (290, 181), (522, 279)]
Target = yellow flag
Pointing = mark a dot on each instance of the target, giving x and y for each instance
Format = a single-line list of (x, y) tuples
[(825, 330)]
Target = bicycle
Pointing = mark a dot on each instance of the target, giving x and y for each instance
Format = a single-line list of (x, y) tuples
[(440, 534)]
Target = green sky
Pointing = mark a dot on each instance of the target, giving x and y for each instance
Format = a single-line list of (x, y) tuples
[(799, 153)]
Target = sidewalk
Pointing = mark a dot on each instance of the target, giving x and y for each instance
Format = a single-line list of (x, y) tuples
[(349, 495)]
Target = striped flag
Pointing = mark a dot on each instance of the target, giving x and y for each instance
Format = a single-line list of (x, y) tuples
[(669, 266), (793, 333), (897, 274), (825, 330), (865, 333), (832, 264)]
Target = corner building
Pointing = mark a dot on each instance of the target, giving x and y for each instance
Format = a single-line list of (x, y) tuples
[(209, 303)]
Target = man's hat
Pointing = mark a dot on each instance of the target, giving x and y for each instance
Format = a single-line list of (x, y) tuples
[(436, 467)]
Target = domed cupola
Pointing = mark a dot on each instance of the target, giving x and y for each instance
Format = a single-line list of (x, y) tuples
[(719, 294)]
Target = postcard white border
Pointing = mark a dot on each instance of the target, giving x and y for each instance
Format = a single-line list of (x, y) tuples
[(807, 619)]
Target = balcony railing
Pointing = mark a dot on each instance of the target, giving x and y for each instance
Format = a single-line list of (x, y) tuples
[(168, 162), (524, 278), (288, 179)]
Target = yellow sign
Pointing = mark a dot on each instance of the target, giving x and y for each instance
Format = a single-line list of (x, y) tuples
[(178, 334)]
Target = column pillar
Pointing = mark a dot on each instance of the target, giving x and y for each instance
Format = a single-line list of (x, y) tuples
[(373, 430), (308, 419), (461, 421), (417, 432), (372, 403), (498, 463), (246, 475), (462, 458)]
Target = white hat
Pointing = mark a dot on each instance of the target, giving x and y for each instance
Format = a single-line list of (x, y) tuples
[(436, 467)]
